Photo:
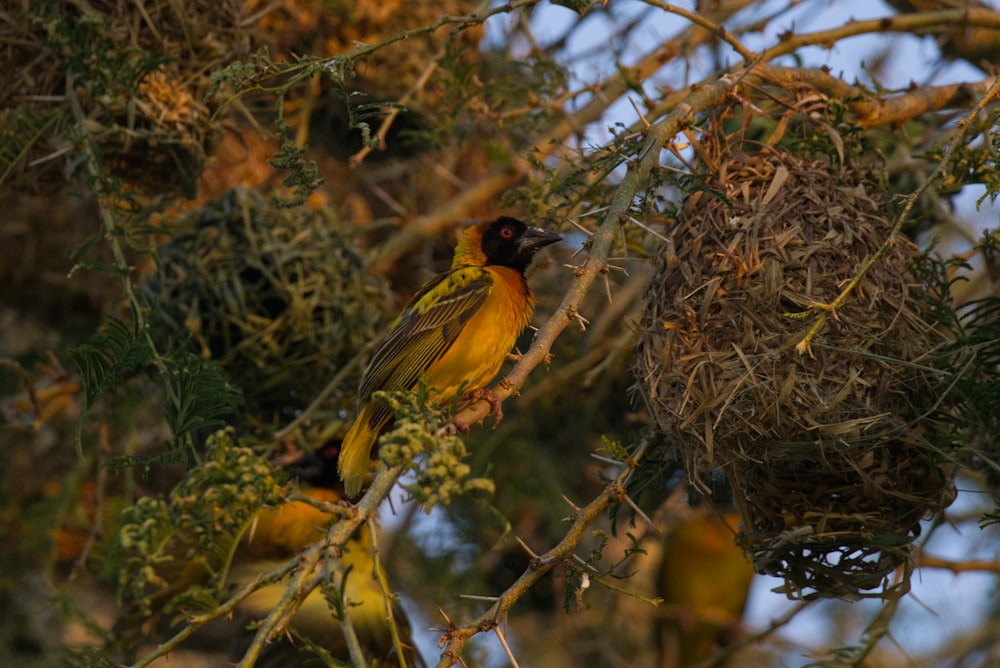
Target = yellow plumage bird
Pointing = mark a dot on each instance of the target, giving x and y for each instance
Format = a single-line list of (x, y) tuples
[(455, 333), (281, 532), (704, 582)]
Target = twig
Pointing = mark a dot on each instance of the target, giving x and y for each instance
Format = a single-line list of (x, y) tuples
[(301, 566), (583, 277), (876, 110), (956, 567), (336, 537), (347, 625), (303, 581), (719, 657), (113, 236), (390, 118), (901, 23), (224, 609), (387, 596), (456, 636), (716, 29)]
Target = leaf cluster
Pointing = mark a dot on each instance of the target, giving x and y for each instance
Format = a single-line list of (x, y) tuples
[(111, 355), (176, 552), (974, 162), (200, 394), (970, 385), (444, 475)]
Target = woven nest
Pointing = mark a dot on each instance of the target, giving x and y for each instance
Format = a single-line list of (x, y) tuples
[(828, 453), (278, 296), (140, 75)]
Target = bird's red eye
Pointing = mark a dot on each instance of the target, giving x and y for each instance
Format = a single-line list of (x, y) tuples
[(507, 233)]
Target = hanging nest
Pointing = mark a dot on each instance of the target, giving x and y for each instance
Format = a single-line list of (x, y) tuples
[(139, 74), (278, 296), (830, 454)]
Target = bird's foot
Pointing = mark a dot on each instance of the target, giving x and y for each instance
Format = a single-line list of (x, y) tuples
[(490, 397)]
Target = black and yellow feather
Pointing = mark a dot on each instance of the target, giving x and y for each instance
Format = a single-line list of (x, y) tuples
[(455, 332)]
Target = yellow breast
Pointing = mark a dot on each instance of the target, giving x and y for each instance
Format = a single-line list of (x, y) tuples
[(481, 348)]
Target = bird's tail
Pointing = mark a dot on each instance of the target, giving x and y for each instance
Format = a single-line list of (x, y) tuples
[(355, 452)]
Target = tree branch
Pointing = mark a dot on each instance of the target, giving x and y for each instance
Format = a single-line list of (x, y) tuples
[(956, 567), (908, 23), (601, 242), (699, 99), (603, 95), (456, 637)]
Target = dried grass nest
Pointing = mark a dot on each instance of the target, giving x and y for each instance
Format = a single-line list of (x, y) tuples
[(830, 454), (279, 296), (139, 74)]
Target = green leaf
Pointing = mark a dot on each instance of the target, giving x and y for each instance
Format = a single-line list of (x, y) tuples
[(108, 357), (203, 394)]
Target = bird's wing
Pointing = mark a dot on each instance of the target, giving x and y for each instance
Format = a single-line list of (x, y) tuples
[(426, 329)]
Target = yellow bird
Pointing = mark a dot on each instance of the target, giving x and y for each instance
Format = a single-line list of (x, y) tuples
[(277, 534), (455, 333), (704, 582), (282, 532)]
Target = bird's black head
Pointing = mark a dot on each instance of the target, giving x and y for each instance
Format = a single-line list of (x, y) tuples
[(508, 242)]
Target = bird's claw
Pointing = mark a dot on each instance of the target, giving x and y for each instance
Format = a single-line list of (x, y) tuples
[(490, 397)]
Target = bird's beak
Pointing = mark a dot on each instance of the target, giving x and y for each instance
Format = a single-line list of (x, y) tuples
[(535, 238)]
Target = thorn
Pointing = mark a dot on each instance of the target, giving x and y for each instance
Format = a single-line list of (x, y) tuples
[(526, 548), (647, 228), (606, 460), (444, 614), (506, 647), (574, 315), (644, 516), (474, 597), (580, 227), (600, 209), (253, 528), (572, 505), (642, 117), (577, 558)]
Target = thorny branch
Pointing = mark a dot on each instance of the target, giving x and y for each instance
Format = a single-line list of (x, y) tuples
[(455, 637), (677, 109), (870, 110), (303, 581), (602, 241)]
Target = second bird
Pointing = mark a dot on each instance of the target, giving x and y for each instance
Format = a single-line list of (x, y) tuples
[(455, 333)]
